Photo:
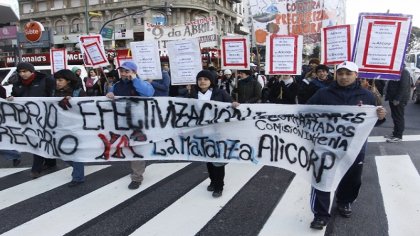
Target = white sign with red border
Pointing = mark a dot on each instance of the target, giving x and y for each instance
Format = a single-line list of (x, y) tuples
[(184, 60), (90, 39), (284, 54), (235, 53), (146, 56), (336, 44), (96, 54), (58, 59), (380, 44)]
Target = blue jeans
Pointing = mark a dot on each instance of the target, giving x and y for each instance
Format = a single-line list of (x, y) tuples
[(10, 154), (78, 174)]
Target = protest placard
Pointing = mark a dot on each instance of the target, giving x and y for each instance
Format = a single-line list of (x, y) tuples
[(89, 39), (380, 44), (96, 54), (235, 52), (146, 56), (184, 61), (58, 58), (284, 54), (336, 42), (318, 146)]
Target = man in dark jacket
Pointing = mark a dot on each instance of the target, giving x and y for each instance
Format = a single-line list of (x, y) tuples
[(398, 93), (308, 87), (161, 86), (31, 83), (248, 90), (345, 91)]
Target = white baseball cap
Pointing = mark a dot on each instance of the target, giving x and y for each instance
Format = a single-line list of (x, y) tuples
[(351, 66), (227, 72)]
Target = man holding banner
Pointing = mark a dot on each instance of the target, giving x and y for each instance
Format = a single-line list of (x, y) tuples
[(344, 91), (131, 85)]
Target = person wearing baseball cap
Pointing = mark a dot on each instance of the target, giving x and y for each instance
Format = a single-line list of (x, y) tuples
[(346, 90), (130, 84)]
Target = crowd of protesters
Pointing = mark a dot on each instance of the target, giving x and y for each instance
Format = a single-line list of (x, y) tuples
[(317, 84)]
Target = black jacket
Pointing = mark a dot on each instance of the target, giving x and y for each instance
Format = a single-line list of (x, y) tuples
[(399, 90), (2, 92), (281, 93), (248, 91), (41, 86), (219, 95)]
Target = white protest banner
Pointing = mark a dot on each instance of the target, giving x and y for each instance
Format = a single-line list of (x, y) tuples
[(58, 59), (380, 44), (235, 53), (284, 54), (317, 145), (96, 54), (146, 56), (90, 39), (184, 61), (336, 44), (204, 29), (295, 17)]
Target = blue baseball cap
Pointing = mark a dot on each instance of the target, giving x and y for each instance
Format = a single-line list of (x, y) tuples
[(129, 65)]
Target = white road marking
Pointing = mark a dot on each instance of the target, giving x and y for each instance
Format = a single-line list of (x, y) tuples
[(63, 219), (293, 215), (400, 186), (43, 184), (192, 211), (381, 139), (8, 171)]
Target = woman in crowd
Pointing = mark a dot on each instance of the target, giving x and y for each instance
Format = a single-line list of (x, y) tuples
[(67, 87), (206, 89), (93, 84)]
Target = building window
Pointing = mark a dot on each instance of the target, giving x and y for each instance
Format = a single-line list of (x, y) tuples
[(58, 4), (139, 21), (76, 26), (95, 23), (229, 27), (75, 3), (42, 6), (93, 2), (27, 7), (59, 27), (222, 26)]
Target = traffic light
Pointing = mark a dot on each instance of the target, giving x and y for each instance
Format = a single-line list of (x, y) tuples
[(168, 10)]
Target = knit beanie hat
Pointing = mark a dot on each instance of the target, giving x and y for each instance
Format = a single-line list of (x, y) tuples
[(25, 66), (74, 69), (207, 74)]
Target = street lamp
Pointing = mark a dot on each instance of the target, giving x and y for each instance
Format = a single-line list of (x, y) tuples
[(167, 11)]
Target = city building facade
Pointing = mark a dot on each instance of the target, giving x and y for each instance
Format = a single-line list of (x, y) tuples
[(66, 20)]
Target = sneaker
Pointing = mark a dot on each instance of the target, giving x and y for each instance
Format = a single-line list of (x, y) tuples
[(35, 174), (134, 185), (210, 188), (344, 209), (388, 136), (74, 184), (318, 223), (393, 140), (217, 193), (16, 162)]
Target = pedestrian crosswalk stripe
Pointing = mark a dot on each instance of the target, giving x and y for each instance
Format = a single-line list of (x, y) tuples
[(196, 213), (45, 183), (73, 214), (382, 139), (400, 186), (292, 215), (9, 171)]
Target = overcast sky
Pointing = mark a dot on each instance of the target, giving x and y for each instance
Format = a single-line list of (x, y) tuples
[(409, 7)]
